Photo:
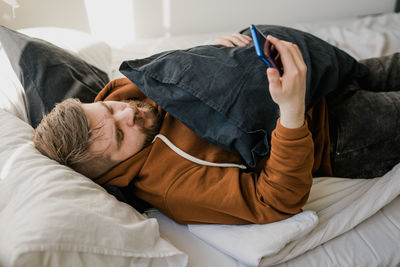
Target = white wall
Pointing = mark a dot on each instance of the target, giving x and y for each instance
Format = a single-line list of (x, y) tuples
[(216, 14), (122, 21), (32, 13)]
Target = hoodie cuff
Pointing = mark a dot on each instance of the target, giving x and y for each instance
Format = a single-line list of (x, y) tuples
[(291, 134)]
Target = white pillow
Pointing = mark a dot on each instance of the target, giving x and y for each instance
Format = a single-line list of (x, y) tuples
[(12, 94), (53, 216), (250, 243)]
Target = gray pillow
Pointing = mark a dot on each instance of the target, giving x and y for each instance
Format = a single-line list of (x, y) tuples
[(222, 93), (49, 74)]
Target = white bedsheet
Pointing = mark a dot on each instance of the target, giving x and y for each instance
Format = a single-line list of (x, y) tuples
[(374, 242), (366, 37), (250, 243), (341, 204)]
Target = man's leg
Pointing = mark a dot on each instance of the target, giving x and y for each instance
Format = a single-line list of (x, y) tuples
[(384, 74), (365, 122)]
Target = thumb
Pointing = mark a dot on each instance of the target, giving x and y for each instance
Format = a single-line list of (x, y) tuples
[(273, 78)]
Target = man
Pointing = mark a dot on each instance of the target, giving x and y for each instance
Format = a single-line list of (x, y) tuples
[(114, 148)]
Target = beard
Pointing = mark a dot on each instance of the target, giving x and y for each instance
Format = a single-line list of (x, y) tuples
[(151, 114)]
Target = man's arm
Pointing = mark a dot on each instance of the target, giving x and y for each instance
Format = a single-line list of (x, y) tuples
[(227, 195), (286, 178), (289, 90)]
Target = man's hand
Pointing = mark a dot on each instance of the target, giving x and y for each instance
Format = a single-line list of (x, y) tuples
[(233, 40), (289, 90)]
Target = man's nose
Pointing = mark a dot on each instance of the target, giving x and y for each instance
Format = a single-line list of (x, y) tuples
[(125, 116)]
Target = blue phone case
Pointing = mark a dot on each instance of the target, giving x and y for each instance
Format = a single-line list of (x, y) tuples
[(259, 42)]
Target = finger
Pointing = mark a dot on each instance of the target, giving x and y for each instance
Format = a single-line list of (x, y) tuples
[(273, 79), (298, 59), (224, 42), (277, 60), (283, 50), (243, 37), (299, 56), (295, 52), (239, 40), (288, 55), (273, 50)]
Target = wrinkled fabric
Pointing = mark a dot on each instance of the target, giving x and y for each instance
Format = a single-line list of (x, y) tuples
[(365, 122), (228, 87)]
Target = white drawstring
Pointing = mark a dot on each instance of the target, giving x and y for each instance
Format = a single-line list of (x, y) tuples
[(194, 159)]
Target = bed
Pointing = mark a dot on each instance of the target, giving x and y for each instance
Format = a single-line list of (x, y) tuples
[(50, 215), (339, 239)]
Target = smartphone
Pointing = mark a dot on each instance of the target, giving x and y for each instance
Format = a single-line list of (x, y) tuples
[(265, 50)]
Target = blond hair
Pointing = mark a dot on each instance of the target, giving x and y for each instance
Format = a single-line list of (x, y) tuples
[(64, 135)]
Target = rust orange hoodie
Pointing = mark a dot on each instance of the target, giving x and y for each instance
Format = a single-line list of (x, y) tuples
[(189, 190)]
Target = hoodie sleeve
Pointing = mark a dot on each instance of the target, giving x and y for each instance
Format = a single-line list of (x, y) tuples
[(285, 182), (231, 196)]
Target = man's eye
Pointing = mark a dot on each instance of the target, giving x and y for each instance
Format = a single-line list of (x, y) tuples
[(120, 135)]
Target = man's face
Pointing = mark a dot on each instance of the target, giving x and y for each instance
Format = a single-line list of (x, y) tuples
[(121, 129)]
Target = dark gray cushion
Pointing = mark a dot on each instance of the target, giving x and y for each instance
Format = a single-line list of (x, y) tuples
[(222, 93), (48, 73)]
